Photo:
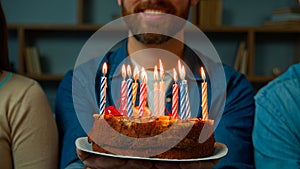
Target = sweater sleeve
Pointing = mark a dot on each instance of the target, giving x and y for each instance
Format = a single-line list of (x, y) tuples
[(276, 127), (34, 137), (235, 126), (68, 125)]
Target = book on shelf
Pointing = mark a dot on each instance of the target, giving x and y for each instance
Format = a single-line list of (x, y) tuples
[(292, 23), (284, 16), (210, 13), (32, 60), (244, 62), (288, 9), (239, 55)]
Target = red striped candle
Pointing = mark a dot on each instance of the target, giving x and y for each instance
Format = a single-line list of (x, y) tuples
[(204, 96), (143, 92), (175, 96)]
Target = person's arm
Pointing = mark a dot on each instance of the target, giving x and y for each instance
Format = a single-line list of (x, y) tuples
[(276, 127), (235, 127), (34, 138), (68, 125)]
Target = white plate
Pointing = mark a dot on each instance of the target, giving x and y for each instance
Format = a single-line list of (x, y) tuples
[(220, 151)]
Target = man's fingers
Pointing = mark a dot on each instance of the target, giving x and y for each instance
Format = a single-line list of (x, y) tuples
[(167, 165), (199, 165), (137, 164), (81, 154)]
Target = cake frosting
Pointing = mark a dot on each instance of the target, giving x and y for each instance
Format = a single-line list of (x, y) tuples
[(157, 137)]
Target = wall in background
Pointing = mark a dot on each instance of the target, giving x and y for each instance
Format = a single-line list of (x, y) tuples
[(63, 48)]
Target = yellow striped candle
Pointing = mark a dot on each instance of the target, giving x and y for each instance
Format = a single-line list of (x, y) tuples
[(135, 84)]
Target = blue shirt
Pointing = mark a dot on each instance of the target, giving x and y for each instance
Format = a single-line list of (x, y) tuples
[(234, 129), (276, 133)]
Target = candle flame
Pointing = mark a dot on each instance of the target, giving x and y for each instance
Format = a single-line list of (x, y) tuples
[(123, 71), (144, 75), (182, 73), (175, 75), (202, 73), (104, 68), (155, 73), (136, 73), (129, 70), (179, 66), (161, 70)]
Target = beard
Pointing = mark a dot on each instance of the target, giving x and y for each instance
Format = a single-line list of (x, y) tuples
[(156, 32)]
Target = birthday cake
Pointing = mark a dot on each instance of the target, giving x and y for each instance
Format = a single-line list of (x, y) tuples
[(136, 131), (131, 136)]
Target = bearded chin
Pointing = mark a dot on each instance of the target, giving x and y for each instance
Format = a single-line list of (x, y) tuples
[(151, 38)]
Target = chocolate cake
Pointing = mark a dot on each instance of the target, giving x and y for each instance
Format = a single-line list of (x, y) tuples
[(157, 137)]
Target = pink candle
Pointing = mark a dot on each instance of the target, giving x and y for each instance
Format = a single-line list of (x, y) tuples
[(143, 92), (156, 92), (175, 96), (123, 90), (204, 96), (162, 94)]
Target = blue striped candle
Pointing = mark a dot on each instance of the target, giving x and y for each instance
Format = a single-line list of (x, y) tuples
[(129, 92), (185, 110), (103, 86)]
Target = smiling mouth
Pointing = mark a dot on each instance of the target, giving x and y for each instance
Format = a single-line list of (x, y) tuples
[(154, 11)]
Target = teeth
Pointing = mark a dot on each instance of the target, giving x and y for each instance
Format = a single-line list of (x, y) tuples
[(153, 12)]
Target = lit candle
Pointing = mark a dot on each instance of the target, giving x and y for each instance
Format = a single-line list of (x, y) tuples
[(175, 96), (123, 91), (179, 66), (103, 86), (204, 96), (143, 92), (135, 84), (156, 92), (129, 91), (185, 111), (162, 90)]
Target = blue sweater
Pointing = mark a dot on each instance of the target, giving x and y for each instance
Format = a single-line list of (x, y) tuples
[(276, 135)]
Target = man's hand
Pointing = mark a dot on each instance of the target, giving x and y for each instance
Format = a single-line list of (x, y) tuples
[(101, 162), (187, 165), (93, 161)]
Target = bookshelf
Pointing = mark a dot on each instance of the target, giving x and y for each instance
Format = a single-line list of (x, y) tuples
[(254, 36)]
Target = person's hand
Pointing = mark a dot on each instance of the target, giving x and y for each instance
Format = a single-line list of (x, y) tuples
[(199, 164), (93, 161), (187, 165)]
